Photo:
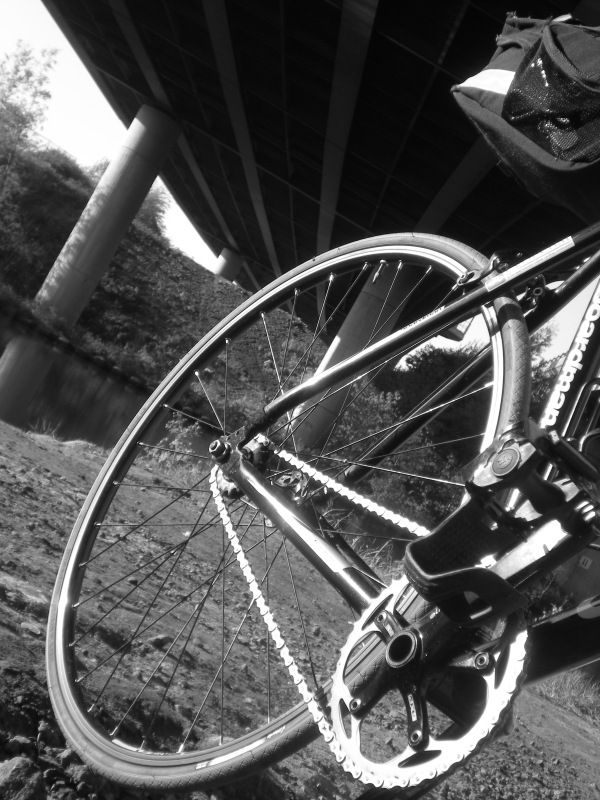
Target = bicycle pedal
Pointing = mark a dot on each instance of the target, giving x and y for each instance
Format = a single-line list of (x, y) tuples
[(448, 568)]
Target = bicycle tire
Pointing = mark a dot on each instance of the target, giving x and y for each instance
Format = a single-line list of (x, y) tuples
[(106, 551)]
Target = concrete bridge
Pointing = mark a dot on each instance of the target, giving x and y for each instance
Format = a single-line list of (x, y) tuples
[(284, 128)]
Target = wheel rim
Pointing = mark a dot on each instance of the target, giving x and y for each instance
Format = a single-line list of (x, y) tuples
[(135, 641)]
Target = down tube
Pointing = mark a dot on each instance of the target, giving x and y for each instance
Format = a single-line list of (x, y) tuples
[(573, 390)]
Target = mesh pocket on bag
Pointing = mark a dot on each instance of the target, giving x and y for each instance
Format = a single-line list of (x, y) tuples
[(554, 98)]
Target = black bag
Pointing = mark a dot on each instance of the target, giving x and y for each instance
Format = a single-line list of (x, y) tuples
[(537, 103)]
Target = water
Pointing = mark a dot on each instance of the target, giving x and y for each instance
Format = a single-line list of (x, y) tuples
[(45, 387)]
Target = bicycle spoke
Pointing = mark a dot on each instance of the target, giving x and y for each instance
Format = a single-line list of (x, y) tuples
[(210, 402), (409, 418), (292, 317), (174, 451), (180, 412), (136, 527)]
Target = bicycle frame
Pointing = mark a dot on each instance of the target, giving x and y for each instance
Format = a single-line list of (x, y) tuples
[(558, 643)]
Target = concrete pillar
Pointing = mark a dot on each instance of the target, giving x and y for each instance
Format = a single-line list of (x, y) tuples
[(229, 264), (24, 364), (372, 316), (109, 212)]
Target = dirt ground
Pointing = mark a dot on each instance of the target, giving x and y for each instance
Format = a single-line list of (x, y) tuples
[(550, 753)]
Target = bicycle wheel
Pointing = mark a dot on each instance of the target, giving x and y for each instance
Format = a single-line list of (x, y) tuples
[(160, 669)]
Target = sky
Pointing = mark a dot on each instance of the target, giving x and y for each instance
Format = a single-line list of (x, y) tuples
[(79, 120)]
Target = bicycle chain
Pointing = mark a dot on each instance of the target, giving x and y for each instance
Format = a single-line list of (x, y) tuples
[(365, 776), (330, 483), (315, 710)]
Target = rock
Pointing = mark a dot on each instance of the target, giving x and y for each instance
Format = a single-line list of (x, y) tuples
[(65, 793), (89, 783), (52, 775), (161, 640), (81, 773), (32, 627), (48, 734), (66, 757), (20, 744), (21, 780)]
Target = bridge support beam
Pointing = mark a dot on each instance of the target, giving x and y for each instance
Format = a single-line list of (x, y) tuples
[(113, 205), (229, 264)]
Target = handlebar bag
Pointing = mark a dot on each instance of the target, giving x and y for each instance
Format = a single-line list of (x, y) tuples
[(537, 103)]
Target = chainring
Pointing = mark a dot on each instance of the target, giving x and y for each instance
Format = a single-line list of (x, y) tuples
[(376, 737)]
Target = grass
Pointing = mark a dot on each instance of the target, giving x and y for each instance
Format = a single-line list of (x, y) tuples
[(45, 427), (574, 691)]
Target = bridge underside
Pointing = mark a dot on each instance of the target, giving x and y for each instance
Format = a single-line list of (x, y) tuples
[(307, 125)]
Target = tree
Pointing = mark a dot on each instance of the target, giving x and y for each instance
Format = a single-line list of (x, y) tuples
[(153, 209), (545, 369), (24, 94), (24, 97)]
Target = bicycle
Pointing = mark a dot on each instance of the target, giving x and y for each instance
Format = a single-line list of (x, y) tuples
[(290, 422), (148, 610)]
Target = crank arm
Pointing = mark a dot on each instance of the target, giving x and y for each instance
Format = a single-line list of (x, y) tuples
[(393, 656), (357, 586)]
